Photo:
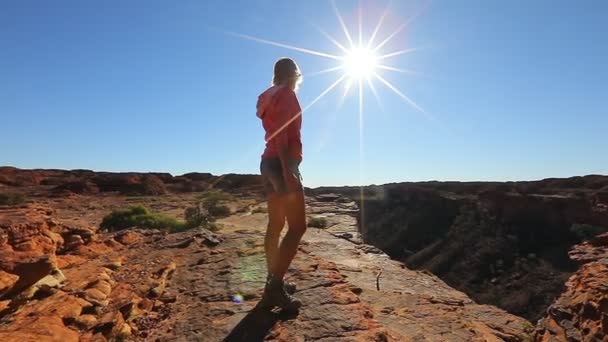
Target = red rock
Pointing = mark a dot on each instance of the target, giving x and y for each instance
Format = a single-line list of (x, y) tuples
[(130, 183), (7, 281), (129, 237), (68, 260), (581, 312), (78, 187), (49, 329)]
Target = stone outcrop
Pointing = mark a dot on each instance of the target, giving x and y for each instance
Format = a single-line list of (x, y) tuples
[(65, 182), (65, 283), (411, 305), (581, 312), (84, 187), (505, 244), (130, 183)]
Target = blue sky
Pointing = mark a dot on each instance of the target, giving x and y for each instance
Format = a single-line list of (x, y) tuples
[(517, 88)]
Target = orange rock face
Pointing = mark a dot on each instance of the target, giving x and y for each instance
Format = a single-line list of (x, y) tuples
[(581, 312), (7, 281), (58, 282)]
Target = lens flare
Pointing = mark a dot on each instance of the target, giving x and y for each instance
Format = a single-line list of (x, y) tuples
[(238, 298)]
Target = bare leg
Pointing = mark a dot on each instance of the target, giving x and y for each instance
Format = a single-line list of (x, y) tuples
[(279, 256), (296, 217), (276, 222)]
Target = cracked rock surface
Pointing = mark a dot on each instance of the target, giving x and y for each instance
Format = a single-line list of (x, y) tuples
[(581, 312)]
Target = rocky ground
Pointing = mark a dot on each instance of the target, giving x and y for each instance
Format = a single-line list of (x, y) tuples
[(581, 312), (504, 244), (62, 279)]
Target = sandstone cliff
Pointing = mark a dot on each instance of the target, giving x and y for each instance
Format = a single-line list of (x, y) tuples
[(504, 244)]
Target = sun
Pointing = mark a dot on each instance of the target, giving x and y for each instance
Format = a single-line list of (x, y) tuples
[(360, 63)]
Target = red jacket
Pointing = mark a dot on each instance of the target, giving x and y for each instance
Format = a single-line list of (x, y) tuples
[(281, 115)]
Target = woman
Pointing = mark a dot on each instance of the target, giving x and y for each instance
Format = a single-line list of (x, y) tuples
[(281, 116)]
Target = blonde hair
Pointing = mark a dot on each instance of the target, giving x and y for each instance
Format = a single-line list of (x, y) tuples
[(287, 71)]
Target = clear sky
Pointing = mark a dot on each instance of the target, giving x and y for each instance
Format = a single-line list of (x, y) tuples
[(518, 89)]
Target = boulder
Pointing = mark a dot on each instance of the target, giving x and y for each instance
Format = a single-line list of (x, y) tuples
[(581, 312)]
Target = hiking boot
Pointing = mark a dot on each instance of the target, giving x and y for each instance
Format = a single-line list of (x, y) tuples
[(276, 295), (290, 287)]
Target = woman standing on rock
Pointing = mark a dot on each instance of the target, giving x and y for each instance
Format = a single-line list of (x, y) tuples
[(281, 116)]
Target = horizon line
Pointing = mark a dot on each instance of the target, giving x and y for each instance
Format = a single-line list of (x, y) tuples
[(312, 186)]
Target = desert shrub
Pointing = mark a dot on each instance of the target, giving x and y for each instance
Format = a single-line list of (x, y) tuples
[(11, 198), (211, 202), (317, 222), (205, 213), (587, 231), (216, 210), (197, 216), (139, 216), (216, 196)]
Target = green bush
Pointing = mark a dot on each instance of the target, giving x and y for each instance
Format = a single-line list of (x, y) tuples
[(317, 222), (212, 205), (205, 213), (196, 216), (216, 196), (215, 209), (140, 217)]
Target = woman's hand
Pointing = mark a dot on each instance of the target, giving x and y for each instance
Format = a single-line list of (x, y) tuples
[(291, 175)]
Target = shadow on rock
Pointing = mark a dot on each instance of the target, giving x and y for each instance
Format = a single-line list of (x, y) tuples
[(256, 325)]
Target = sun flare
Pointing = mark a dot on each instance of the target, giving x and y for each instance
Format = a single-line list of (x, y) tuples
[(360, 62)]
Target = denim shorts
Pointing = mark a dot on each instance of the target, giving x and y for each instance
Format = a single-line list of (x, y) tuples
[(272, 175)]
